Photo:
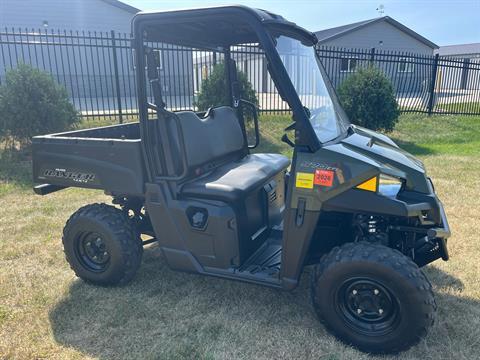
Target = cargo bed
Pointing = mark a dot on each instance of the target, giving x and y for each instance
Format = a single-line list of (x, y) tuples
[(107, 158)]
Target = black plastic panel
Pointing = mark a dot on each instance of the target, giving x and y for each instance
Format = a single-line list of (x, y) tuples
[(113, 165)]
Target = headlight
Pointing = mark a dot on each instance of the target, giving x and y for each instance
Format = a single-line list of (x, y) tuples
[(388, 185)]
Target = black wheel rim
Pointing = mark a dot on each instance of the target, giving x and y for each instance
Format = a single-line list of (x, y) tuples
[(92, 251), (368, 306)]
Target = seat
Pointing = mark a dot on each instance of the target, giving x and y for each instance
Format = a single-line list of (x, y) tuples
[(215, 138), (234, 181), (215, 146)]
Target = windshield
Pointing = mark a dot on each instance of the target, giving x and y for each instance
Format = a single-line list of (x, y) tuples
[(302, 66)]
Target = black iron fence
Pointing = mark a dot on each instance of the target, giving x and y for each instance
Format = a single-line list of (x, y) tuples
[(423, 83), (97, 69)]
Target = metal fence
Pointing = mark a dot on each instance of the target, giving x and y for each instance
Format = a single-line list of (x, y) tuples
[(422, 83), (97, 69)]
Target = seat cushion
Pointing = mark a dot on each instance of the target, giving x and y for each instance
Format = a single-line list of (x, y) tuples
[(235, 180)]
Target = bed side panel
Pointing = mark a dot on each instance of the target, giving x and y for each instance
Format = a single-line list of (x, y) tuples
[(115, 166)]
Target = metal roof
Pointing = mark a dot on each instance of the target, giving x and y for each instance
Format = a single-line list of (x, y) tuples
[(332, 33), (459, 49), (122, 6)]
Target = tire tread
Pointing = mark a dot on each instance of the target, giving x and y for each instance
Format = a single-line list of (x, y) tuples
[(121, 228), (388, 257)]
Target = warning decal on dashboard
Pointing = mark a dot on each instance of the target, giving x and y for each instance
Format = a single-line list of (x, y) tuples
[(304, 180), (324, 177)]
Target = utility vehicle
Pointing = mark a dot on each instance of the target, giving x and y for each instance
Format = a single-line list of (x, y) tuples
[(350, 202)]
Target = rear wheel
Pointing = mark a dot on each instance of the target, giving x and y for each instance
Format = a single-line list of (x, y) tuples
[(373, 297), (101, 245)]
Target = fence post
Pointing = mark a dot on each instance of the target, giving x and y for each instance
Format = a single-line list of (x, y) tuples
[(372, 56), (432, 85), (117, 77)]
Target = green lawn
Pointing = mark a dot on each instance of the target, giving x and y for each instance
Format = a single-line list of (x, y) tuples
[(46, 312), (465, 107), (96, 121), (447, 135)]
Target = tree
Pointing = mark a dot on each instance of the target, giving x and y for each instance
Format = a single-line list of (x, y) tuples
[(368, 98), (214, 89), (32, 103)]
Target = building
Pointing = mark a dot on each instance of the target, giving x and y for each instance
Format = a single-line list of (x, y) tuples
[(83, 15), (462, 51), (366, 42), (383, 33), (360, 43), (85, 45), (465, 74)]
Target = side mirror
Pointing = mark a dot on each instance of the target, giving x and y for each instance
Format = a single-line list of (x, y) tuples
[(250, 111)]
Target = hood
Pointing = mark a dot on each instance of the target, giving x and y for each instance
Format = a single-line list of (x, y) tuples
[(382, 149)]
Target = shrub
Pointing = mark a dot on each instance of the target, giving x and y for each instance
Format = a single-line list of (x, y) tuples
[(214, 89), (369, 99), (32, 103)]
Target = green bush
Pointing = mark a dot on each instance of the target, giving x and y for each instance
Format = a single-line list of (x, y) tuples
[(214, 89), (369, 99), (32, 103)]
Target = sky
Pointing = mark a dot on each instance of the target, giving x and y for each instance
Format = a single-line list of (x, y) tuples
[(445, 22)]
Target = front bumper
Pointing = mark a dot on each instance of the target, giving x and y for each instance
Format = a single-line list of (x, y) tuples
[(419, 204), (441, 233)]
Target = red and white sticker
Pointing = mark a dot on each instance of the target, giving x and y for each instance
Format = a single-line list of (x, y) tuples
[(323, 177)]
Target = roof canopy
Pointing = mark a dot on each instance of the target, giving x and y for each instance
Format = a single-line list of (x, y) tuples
[(213, 27)]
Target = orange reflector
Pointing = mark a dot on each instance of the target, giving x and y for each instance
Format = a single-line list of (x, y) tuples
[(369, 185)]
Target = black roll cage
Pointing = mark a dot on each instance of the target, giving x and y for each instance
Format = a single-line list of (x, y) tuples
[(259, 22)]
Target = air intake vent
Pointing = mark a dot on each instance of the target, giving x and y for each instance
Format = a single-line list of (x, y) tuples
[(271, 190), (272, 196)]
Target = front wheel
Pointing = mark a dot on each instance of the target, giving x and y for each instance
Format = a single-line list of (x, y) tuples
[(373, 297)]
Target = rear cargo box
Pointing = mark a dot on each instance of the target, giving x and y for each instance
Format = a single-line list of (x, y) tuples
[(107, 158)]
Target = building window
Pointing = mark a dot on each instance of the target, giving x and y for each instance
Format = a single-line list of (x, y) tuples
[(348, 64), (405, 65)]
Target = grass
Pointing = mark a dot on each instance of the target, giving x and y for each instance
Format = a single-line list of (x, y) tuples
[(45, 312), (465, 107), (447, 135), (97, 121)]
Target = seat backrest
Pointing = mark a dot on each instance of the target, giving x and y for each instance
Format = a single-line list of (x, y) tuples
[(209, 140)]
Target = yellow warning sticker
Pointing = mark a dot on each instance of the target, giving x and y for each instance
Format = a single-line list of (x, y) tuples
[(369, 185), (304, 180)]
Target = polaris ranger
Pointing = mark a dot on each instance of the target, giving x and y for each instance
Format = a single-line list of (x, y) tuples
[(350, 202)]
